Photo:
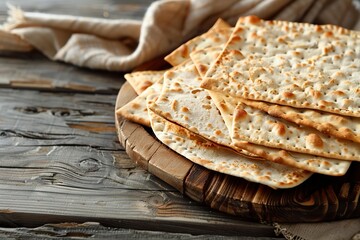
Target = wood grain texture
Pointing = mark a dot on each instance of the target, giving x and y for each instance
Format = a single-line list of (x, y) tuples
[(196, 181), (169, 167), (52, 76), (321, 198), (91, 230)]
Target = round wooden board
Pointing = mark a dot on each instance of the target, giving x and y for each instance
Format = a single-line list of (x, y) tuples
[(320, 198)]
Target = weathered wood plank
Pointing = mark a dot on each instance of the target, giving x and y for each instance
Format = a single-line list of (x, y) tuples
[(148, 210), (75, 167), (45, 119), (172, 172), (73, 184), (45, 74), (97, 231)]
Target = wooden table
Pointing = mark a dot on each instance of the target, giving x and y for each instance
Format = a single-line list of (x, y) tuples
[(62, 169)]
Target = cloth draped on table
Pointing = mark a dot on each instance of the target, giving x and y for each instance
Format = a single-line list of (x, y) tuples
[(121, 45)]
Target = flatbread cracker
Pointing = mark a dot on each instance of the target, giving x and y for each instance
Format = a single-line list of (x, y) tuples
[(255, 126), (226, 105), (204, 58), (303, 140), (136, 110), (141, 80), (217, 35), (220, 159), (327, 166), (295, 64), (339, 126), (184, 103)]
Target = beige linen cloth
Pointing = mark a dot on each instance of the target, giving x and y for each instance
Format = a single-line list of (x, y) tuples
[(121, 45)]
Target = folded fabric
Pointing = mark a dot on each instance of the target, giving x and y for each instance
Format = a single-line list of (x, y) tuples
[(121, 45), (340, 230)]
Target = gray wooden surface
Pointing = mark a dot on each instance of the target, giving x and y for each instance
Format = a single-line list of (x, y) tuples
[(96, 231), (60, 160)]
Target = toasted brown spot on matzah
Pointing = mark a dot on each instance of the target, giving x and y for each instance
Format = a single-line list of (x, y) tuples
[(281, 129), (174, 105), (203, 68), (185, 109), (315, 140), (217, 132), (207, 106), (135, 105), (289, 95), (240, 114), (338, 93)]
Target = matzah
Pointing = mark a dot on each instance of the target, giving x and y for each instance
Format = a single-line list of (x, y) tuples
[(217, 35), (220, 159), (328, 166), (141, 80), (203, 58), (339, 126), (226, 105), (296, 64), (136, 109), (190, 106), (258, 129), (256, 126), (183, 102)]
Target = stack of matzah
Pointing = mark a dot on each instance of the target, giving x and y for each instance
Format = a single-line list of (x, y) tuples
[(269, 101)]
